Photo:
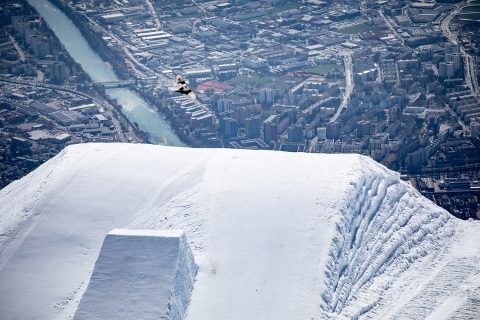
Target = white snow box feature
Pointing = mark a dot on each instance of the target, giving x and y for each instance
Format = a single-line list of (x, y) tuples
[(140, 274)]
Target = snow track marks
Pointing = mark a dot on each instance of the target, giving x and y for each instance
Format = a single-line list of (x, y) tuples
[(376, 238)]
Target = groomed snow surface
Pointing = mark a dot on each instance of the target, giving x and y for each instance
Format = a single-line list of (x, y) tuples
[(140, 274), (275, 235)]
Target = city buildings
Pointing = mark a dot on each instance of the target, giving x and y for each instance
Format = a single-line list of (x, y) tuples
[(396, 81)]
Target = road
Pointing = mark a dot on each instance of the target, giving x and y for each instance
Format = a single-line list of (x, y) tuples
[(445, 25), (124, 137), (397, 35), (471, 73), (162, 80), (21, 54), (390, 26), (154, 14), (469, 61), (125, 47), (348, 85), (380, 73)]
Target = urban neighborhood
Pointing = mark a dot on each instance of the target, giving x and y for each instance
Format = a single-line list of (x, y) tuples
[(397, 81)]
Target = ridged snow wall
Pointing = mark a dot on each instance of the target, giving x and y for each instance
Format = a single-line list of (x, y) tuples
[(140, 274), (384, 228)]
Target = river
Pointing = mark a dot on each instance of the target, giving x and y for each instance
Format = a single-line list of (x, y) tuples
[(133, 106)]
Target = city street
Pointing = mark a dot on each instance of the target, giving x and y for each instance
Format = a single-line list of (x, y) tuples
[(349, 84)]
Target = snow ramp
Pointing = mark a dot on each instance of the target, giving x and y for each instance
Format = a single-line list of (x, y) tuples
[(276, 236), (140, 274)]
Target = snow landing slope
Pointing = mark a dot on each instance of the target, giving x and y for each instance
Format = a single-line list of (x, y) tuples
[(275, 235)]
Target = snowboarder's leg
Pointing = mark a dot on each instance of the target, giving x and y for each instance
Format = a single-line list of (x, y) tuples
[(192, 95)]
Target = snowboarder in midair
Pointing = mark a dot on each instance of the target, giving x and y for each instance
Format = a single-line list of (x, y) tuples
[(182, 87)]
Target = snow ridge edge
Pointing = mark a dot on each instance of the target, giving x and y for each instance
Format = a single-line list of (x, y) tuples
[(386, 227)]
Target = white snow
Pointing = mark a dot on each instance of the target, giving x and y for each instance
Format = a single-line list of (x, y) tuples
[(147, 233), (275, 235), (140, 274)]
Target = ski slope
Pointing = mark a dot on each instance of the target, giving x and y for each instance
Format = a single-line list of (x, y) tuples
[(275, 235)]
